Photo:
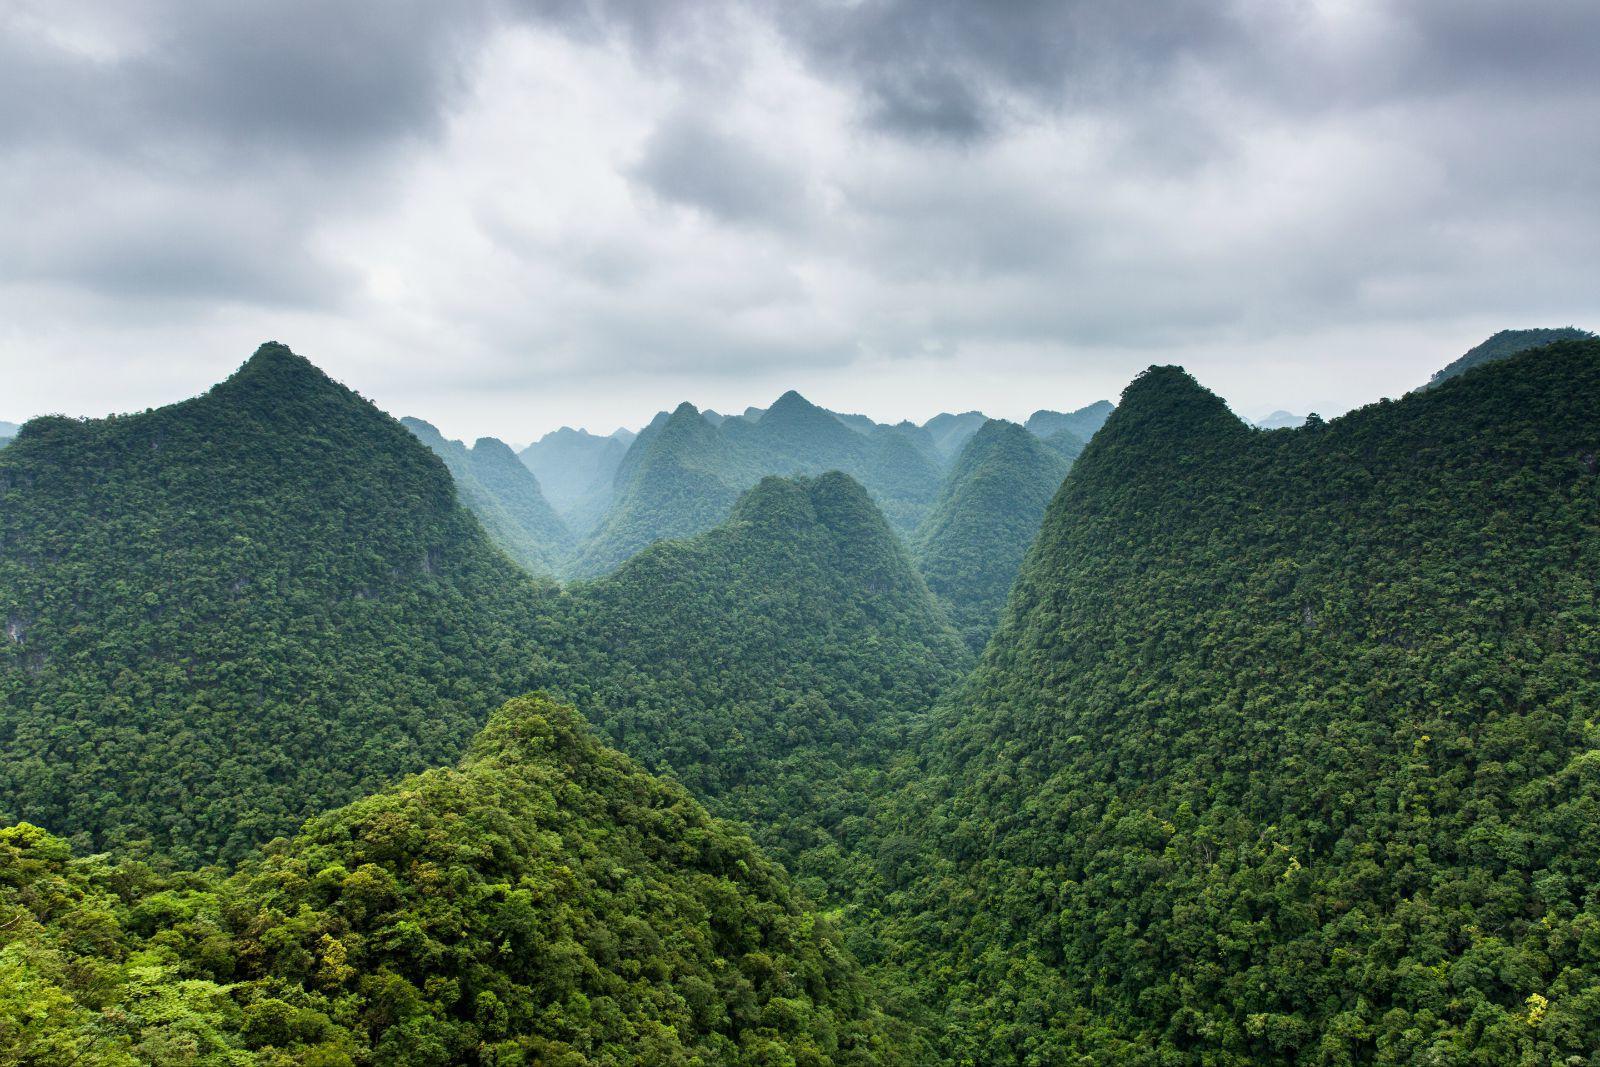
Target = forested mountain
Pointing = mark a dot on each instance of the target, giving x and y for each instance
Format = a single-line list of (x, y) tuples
[(677, 479), (228, 613), (1082, 423), (576, 469), (773, 664), (546, 901), (682, 474), (971, 545), (950, 432), (1285, 748), (506, 498), (8, 430), (1506, 343)]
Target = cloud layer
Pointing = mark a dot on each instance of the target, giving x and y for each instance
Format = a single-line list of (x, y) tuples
[(509, 215)]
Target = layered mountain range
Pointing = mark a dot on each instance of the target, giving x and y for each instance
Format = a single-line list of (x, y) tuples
[(1183, 742)]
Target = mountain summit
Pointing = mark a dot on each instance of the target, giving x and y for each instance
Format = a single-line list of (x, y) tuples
[(241, 609)]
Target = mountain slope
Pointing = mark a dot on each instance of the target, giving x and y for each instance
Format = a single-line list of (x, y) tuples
[(1082, 423), (225, 614), (678, 479), (505, 496), (1503, 344), (970, 547), (543, 902), (773, 664), (1284, 751), (575, 469)]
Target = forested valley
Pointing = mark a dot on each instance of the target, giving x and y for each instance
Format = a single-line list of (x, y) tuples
[(1129, 734)]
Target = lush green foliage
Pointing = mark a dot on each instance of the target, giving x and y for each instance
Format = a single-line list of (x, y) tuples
[(1507, 343), (229, 614), (677, 479), (682, 474), (774, 665), (576, 470), (1285, 750), (505, 496), (545, 902), (971, 545), (223, 615)]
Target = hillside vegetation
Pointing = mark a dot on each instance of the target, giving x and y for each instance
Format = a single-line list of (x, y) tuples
[(226, 614), (970, 546), (543, 902), (1285, 749)]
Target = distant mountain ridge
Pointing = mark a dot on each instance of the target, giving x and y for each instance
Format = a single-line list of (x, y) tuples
[(1281, 420), (676, 483), (682, 474), (1082, 423), (576, 469)]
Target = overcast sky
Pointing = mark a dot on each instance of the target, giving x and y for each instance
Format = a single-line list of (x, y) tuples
[(506, 216)]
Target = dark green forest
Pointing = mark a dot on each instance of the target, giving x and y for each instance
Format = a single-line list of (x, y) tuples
[(1282, 749), (225, 615), (544, 902), (1285, 748)]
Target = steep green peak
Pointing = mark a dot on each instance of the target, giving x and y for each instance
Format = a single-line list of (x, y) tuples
[(774, 501), (275, 364), (685, 422), (997, 431), (791, 407), (278, 387), (1165, 405), (833, 500)]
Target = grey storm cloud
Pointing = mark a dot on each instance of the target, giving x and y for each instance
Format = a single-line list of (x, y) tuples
[(690, 162), (732, 186)]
